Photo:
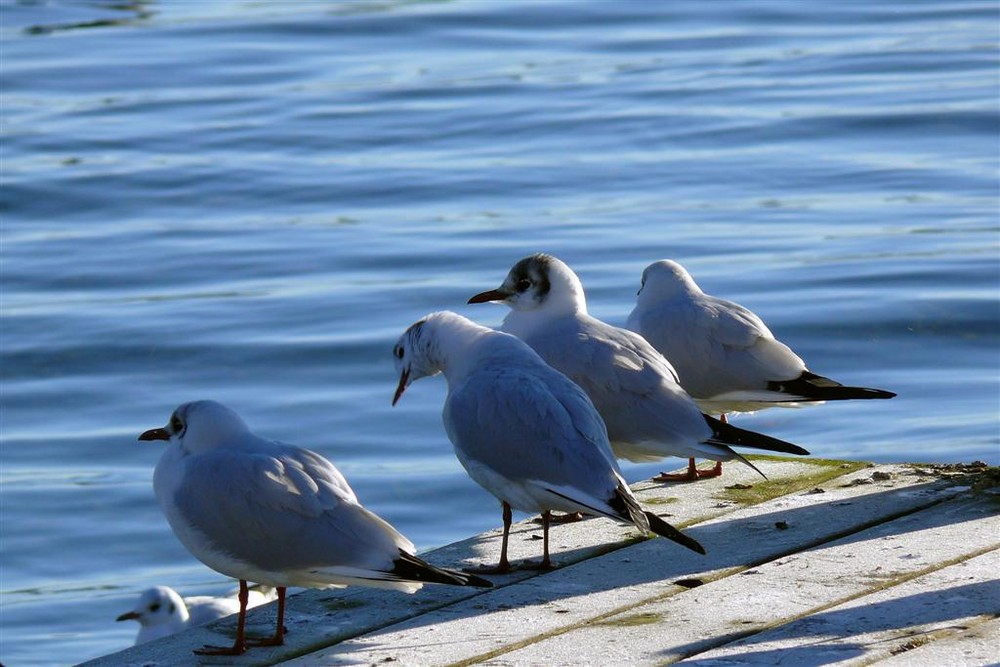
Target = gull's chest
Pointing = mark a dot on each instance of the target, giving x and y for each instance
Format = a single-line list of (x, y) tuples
[(169, 474)]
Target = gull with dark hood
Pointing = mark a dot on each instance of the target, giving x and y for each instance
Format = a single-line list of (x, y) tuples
[(648, 414)]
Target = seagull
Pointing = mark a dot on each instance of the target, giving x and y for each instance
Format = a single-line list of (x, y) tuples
[(161, 611), (280, 515), (636, 390), (522, 430), (724, 354)]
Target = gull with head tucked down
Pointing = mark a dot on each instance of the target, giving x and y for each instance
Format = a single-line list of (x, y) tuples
[(522, 430), (724, 354), (636, 390), (258, 510)]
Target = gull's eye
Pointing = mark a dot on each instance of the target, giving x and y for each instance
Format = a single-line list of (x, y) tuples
[(523, 284), (176, 425), (398, 351), (154, 607)]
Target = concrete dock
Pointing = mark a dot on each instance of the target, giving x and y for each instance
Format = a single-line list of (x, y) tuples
[(825, 562)]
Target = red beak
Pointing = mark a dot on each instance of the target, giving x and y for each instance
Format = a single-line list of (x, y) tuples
[(489, 295), (403, 377)]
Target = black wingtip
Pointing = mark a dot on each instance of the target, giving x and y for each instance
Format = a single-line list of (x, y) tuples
[(409, 567), (664, 529), (746, 461), (867, 392), (478, 582), (813, 387), (727, 434)]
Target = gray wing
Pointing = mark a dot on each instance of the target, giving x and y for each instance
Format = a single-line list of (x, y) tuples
[(755, 356), (531, 425), (718, 346), (285, 508), (675, 329), (632, 385)]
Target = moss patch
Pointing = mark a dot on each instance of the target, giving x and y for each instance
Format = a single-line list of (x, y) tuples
[(916, 642), (665, 500), (825, 470), (333, 604), (647, 618), (984, 479), (829, 463)]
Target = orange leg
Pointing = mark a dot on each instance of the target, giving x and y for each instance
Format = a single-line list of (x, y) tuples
[(239, 646), (546, 563), (693, 474), (504, 565), (279, 632)]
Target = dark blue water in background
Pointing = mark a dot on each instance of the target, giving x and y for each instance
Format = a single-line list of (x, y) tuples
[(250, 201)]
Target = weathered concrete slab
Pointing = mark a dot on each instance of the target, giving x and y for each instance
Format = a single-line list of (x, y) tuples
[(880, 623), (573, 596), (848, 601), (606, 571), (318, 619)]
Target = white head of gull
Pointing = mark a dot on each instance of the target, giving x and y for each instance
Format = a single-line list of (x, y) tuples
[(161, 611)]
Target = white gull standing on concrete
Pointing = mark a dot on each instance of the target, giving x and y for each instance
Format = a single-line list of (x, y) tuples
[(647, 412), (161, 611), (522, 430), (725, 356), (263, 511)]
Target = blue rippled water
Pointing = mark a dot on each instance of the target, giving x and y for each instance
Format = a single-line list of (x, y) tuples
[(249, 201)]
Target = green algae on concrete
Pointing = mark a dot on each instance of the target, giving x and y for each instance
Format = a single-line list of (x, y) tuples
[(645, 618), (664, 500), (767, 489), (334, 604)]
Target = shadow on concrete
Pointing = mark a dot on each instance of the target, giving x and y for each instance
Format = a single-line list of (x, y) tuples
[(731, 543), (834, 628)]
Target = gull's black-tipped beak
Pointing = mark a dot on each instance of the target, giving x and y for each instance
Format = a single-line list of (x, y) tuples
[(128, 616), (489, 295), (155, 434), (403, 381)]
